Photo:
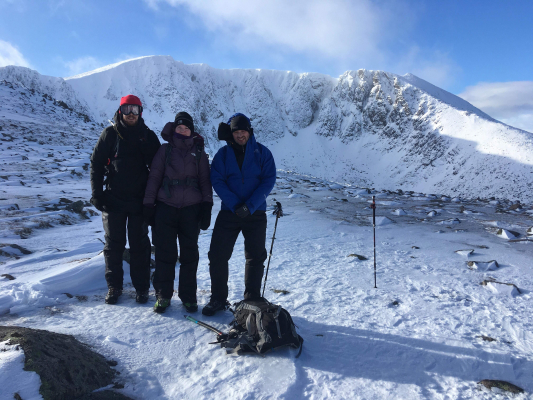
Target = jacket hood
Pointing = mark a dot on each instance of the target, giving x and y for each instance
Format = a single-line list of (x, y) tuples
[(168, 134)]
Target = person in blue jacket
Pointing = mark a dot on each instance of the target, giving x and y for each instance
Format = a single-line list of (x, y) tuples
[(243, 174)]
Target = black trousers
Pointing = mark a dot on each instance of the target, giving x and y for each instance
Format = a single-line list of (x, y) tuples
[(115, 224), (183, 223), (225, 233)]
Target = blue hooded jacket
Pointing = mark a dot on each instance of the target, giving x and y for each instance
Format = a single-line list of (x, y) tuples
[(252, 184)]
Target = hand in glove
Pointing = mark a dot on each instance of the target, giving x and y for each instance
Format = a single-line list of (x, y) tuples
[(149, 214), (224, 132), (205, 215), (98, 203), (242, 211)]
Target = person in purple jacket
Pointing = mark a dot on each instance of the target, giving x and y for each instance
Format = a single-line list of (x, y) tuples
[(177, 203), (243, 174)]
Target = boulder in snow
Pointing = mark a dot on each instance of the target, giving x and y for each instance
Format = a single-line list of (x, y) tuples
[(399, 211), (530, 231), (501, 385), (68, 369), (382, 221), (504, 233), (483, 266), (465, 253), (451, 221), (509, 289), (297, 196)]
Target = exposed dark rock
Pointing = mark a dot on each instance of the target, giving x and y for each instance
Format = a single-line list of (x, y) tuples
[(68, 369), (282, 291), (487, 338), (358, 256), (10, 277), (506, 386)]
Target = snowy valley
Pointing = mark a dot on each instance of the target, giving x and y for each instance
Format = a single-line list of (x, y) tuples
[(454, 235)]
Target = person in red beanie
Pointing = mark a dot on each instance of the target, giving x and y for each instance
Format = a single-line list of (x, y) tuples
[(122, 156)]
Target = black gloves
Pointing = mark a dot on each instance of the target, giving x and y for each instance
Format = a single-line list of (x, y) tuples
[(242, 211), (224, 132), (205, 215), (149, 215), (98, 203)]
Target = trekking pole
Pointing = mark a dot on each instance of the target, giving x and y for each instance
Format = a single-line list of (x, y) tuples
[(373, 207), (279, 213), (204, 325)]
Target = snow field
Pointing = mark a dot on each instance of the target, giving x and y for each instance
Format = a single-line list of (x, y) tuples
[(416, 336)]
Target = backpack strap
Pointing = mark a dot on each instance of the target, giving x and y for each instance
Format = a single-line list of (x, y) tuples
[(168, 153)]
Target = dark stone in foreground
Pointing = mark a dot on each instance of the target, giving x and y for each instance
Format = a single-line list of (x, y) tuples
[(68, 369), (508, 387)]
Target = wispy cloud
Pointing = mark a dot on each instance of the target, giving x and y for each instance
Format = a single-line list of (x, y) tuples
[(82, 64), (89, 63), (435, 67), (339, 29), (10, 55), (510, 102)]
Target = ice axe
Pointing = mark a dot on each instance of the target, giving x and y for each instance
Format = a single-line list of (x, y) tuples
[(279, 213)]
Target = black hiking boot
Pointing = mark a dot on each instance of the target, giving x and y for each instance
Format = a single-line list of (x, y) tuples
[(161, 305), (191, 307), (113, 295), (213, 306), (142, 296)]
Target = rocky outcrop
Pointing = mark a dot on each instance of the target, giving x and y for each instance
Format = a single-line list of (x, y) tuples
[(68, 369)]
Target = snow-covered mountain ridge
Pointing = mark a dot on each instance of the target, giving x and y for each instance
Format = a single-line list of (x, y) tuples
[(368, 128)]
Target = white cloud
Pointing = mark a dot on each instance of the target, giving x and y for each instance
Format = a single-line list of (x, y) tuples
[(338, 29), (9, 55), (435, 67), (82, 64), (510, 102)]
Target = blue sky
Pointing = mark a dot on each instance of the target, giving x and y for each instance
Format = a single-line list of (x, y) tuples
[(480, 50)]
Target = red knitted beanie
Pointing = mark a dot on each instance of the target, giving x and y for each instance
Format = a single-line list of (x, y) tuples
[(130, 99)]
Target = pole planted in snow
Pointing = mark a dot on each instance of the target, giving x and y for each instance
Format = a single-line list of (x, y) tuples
[(279, 213), (373, 207)]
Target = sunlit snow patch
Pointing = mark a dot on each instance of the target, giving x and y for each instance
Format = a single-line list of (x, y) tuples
[(297, 196)]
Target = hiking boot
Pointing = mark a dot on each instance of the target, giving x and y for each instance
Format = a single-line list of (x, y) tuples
[(161, 305), (113, 295), (142, 296), (191, 307), (213, 306)]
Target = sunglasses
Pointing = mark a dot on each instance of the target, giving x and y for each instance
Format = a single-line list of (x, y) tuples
[(128, 109)]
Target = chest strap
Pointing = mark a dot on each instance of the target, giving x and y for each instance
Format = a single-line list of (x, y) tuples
[(167, 183)]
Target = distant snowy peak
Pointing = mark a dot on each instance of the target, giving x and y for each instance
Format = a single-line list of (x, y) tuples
[(368, 128), (444, 96), (105, 68)]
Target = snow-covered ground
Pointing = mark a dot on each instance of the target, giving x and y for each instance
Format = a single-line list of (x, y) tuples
[(424, 332), (418, 335)]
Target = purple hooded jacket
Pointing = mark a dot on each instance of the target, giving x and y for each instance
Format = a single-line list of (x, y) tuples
[(183, 164)]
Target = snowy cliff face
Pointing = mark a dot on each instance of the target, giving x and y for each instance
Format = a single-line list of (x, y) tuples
[(367, 128)]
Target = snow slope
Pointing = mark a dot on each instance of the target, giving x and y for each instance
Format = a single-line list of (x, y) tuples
[(369, 128), (417, 336)]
